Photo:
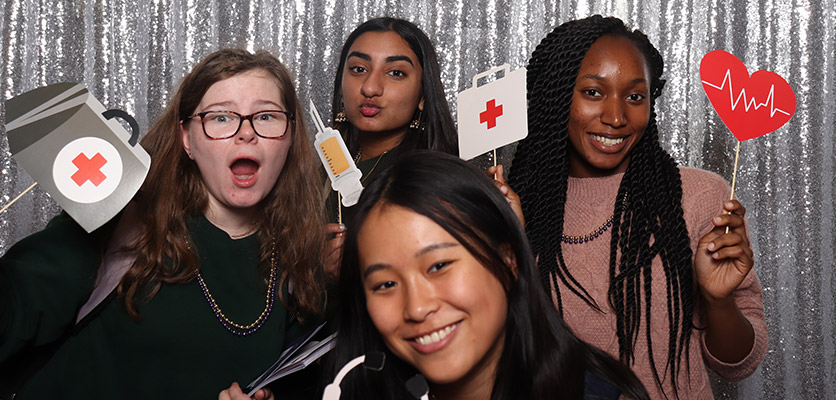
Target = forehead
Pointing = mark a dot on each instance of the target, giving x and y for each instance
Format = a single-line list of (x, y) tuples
[(615, 54), (256, 85), (392, 224), (383, 44)]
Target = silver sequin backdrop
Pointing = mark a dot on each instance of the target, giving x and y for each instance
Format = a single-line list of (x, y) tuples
[(131, 55)]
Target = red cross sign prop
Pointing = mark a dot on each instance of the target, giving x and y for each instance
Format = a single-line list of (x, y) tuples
[(494, 114), (66, 140)]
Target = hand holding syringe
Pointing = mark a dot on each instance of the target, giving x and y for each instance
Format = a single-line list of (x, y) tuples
[(344, 175)]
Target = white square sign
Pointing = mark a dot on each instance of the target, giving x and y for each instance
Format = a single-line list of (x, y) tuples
[(492, 115)]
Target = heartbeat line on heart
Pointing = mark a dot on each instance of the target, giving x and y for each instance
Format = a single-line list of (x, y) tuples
[(770, 100)]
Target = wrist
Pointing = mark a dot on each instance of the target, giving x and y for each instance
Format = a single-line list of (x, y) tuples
[(713, 302)]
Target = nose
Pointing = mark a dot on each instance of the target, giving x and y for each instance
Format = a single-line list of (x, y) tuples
[(613, 113), (420, 301), (246, 133), (371, 86)]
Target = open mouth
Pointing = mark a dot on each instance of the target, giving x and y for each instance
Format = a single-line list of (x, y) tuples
[(244, 168), (436, 336), (607, 141)]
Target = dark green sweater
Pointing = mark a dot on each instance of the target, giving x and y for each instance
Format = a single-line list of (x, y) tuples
[(178, 350)]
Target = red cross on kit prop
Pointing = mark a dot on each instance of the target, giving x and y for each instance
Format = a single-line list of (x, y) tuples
[(491, 113), (494, 114), (89, 169), (76, 151)]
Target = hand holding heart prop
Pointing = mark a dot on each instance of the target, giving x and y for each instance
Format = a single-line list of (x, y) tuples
[(750, 106)]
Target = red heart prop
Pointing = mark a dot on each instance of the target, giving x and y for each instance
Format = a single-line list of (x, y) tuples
[(750, 106)]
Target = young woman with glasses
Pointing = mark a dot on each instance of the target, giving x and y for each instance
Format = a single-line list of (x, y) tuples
[(230, 213)]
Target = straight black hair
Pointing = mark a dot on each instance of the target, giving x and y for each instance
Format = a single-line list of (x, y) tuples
[(540, 358), (437, 131)]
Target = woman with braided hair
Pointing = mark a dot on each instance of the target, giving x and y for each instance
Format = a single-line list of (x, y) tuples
[(643, 268)]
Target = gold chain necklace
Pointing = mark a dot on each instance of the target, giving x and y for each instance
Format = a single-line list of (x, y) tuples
[(231, 326)]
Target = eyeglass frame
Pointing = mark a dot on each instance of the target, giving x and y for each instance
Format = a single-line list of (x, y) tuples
[(289, 114)]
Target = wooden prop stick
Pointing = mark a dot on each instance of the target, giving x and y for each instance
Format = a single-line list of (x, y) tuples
[(18, 196), (734, 175), (339, 208)]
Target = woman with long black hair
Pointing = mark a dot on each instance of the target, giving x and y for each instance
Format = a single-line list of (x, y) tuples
[(633, 247), (438, 275), (388, 100)]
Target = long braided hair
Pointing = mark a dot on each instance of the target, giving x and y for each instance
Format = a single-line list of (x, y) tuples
[(648, 225)]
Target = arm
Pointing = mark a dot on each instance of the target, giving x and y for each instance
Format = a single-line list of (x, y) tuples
[(734, 339), (45, 278)]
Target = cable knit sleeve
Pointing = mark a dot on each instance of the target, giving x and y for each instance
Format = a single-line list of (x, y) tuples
[(703, 196)]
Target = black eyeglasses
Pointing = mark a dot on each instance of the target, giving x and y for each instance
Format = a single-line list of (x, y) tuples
[(269, 124)]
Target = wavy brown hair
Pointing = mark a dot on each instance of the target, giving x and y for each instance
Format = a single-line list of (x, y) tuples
[(174, 191)]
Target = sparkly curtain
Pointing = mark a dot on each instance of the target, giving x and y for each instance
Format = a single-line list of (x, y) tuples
[(131, 55)]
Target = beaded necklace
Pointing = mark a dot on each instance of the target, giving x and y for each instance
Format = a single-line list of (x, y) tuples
[(232, 327), (591, 235)]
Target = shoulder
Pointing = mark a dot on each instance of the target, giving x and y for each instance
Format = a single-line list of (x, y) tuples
[(703, 194), (699, 182)]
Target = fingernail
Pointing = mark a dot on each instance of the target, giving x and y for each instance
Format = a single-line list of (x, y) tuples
[(342, 227), (717, 220), (711, 246), (729, 204)]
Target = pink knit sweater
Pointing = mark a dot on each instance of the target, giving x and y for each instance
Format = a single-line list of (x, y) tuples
[(589, 203)]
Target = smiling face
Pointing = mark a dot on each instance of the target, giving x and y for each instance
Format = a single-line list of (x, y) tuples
[(381, 84), (610, 107), (239, 171), (435, 306)]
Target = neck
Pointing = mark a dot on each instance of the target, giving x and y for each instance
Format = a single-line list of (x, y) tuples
[(373, 144), (462, 392), (237, 223)]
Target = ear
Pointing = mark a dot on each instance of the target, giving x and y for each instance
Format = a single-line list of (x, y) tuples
[(187, 144), (510, 259), (421, 104)]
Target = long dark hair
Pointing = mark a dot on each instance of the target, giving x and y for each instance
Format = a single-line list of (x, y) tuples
[(648, 225), (540, 357), (438, 131)]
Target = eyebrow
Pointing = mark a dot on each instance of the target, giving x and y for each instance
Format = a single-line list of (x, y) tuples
[(601, 78), (389, 59), (227, 104), (379, 267)]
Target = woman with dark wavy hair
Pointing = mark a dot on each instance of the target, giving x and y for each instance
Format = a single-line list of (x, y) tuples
[(230, 213), (632, 246), (438, 276), (388, 100)]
